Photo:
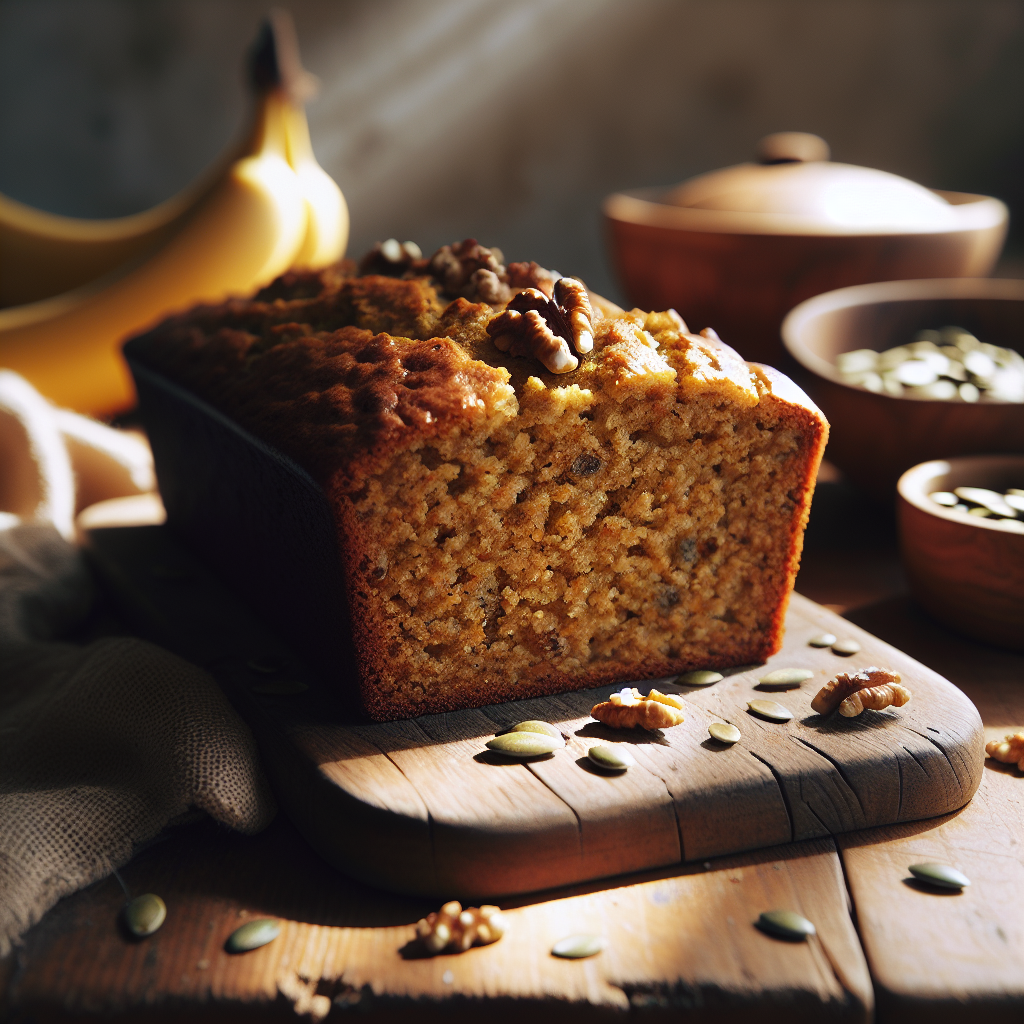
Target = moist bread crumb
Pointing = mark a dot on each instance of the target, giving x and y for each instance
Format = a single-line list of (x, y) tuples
[(506, 532)]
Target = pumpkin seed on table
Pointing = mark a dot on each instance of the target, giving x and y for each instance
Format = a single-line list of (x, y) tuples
[(770, 709), (144, 914), (701, 677), (576, 947), (786, 924), (845, 647), (612, 759), (525, 744), (822, 640), (940, 875), (724, 732), (543, 728), (252, 935), (785, 678), (263, 666)]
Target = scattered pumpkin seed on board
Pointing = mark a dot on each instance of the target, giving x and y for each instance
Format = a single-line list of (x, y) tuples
[(545, 728), (701, 677), (525, 744), (845, 647), (786, 924), (770, 709), (724, 732), (785, 678), (144, 914), (252, 935), (576, 947), (612, 759), (940, 875), (822, 640)]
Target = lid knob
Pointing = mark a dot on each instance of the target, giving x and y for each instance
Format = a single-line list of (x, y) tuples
[(792, 148)]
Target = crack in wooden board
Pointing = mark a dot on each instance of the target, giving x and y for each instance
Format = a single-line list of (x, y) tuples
[(462, 821)]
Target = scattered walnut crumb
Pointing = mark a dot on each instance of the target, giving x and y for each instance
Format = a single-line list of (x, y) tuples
[(875, 698), (837, 690), (1009, 750), (457, 929), (627, 709)]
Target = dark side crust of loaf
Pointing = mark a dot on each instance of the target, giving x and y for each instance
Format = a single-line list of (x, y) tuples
[(394, 402)]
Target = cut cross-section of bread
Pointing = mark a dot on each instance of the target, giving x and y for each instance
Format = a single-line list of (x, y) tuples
[(504, 531)]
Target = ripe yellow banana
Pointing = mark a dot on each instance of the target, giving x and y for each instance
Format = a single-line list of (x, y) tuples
[(44, 254), (327, 224), (245, 233)]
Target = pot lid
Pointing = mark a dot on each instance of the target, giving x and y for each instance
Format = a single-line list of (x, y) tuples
[(794, 178)]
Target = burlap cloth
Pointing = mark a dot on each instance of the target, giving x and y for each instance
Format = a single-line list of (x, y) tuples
[(102, 746)]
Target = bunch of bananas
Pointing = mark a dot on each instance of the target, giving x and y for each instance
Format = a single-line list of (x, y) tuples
[(74, 290)]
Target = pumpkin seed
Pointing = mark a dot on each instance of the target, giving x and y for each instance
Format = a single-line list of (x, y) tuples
[(539, 727), (992, 500), (524, 744), (822, 640), (786, 924), (947, 498), (263, 666), (280, 687), (576, 947), (252, 935), (701, 677), (785, 678), (845, 647), (613, 759), (770, 709), (724, 732), (144, 914), (940, 875)]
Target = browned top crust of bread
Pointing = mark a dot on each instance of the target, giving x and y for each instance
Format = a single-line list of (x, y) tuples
[(340, 369), (507, 531)]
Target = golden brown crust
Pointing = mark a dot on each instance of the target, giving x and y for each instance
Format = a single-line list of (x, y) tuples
[(507, 532)]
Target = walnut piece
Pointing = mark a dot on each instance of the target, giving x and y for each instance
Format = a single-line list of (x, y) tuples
[(472, 271), (393, 259), (534, 325), (835, 691), (457, 929), (627, 709), (875, 698), (1009, 751)]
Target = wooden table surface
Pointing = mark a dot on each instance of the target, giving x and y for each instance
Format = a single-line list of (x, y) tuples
[(680, 941)]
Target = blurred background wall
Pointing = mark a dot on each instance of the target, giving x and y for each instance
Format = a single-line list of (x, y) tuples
[(509, 120)]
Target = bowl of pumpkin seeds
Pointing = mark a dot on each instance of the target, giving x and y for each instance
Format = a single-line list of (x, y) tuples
[(911, 371), (961, 527)]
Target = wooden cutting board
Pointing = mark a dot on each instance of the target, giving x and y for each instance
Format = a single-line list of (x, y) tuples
[(421, 806)]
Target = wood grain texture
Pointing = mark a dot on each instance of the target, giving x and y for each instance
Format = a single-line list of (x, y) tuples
[(679, 942), (938, 957), (421, 807)]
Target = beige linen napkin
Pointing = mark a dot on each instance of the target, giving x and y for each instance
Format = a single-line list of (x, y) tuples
[(101, 747)]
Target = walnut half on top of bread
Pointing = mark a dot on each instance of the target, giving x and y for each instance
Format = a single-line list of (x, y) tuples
[(505, 531)]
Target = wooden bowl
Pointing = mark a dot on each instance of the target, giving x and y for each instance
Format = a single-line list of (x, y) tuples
[(740, 273), (965, 571), (873, 438)]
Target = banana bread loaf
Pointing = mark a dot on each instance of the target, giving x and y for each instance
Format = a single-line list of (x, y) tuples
[(534, 490)]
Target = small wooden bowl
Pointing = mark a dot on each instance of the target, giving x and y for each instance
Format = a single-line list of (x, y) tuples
[(873, 438), (967, 572), (740, 273)]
